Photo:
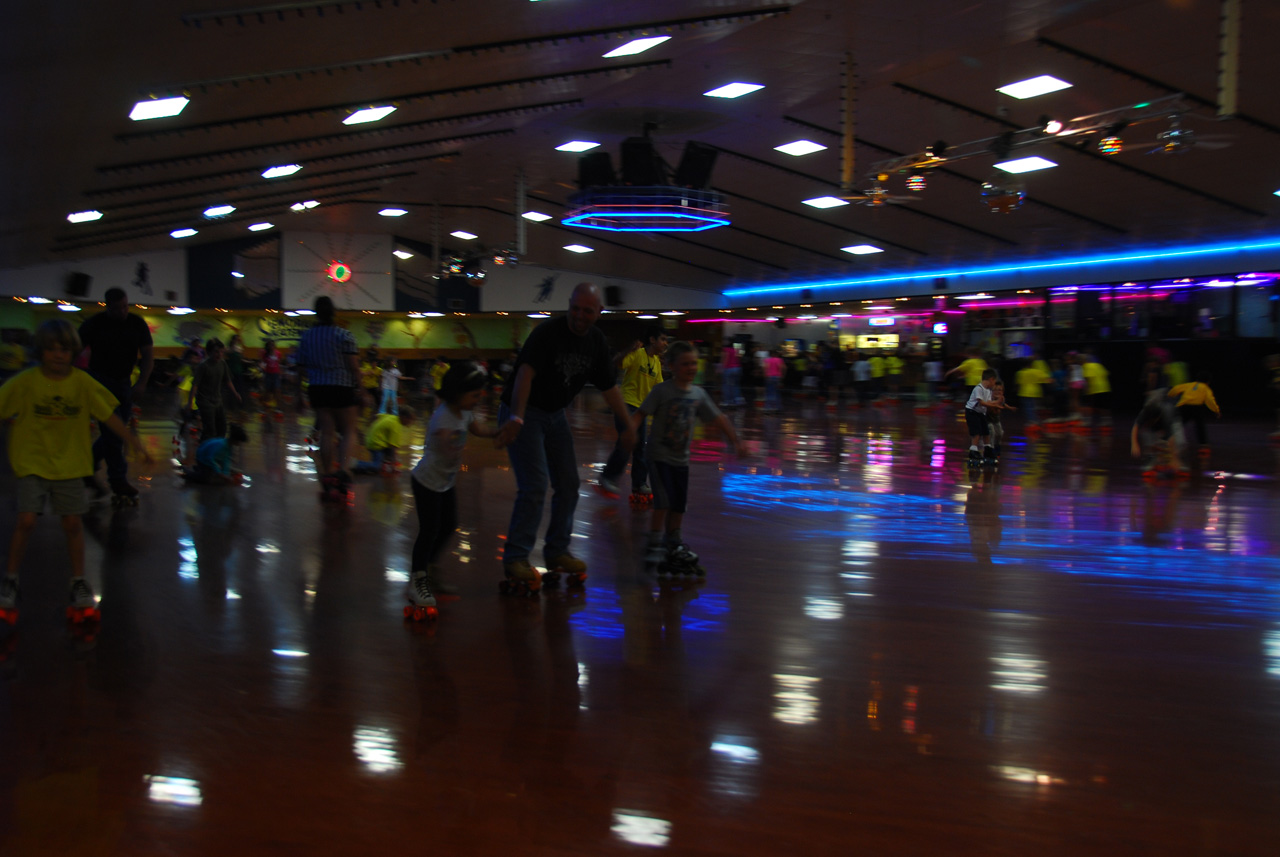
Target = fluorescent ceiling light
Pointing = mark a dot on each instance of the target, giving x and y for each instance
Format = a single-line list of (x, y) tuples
[(68, 307), (182, 233), (281, 171), (393, 212), (402, 254), (862, 249), (258, 227), (800, 147), (539, 315), (734, 90), (219, 210), (636, 46), (180, 310), (1275, 192), (826, 202), (878, 306), (306, 312), (237, 275), (647, 316), (1025, 165), (578, 248), (303, 206), (158, 108), (576, 146), (980, 296), (434, 314), (368, 114), (538, 216), (465, 236), (86, 216), (38, 300), (1034, 86), (671, 312)]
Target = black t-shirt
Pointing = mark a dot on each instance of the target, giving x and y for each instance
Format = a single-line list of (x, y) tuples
[(562, 363), (114, 344)]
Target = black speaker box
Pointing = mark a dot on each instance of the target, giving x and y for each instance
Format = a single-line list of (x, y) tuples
[(612, 296), (695, 166), (595, 170), (78, 284), (641, 164)]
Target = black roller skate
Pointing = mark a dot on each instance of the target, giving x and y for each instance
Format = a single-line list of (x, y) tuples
[(123, 494), (521, 579), (975, 459), (989, 458), (683, 563), (422, 603), (573, 570)]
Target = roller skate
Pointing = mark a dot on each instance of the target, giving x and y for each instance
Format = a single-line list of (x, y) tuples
[(573, 569), (975, 458), (989, 458), (422, 604), (9, 599), (96, 492), (83, 608), (336, 488), (642, 497), (521, 579), (134, 417), (606, 487), (683, 562), (123, 494)]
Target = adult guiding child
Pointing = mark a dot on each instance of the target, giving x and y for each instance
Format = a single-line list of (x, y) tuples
[(557, 360)]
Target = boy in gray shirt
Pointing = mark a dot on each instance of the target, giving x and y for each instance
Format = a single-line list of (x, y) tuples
[(674, 406)]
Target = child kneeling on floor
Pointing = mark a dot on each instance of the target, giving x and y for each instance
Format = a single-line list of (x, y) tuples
[(213, 459)]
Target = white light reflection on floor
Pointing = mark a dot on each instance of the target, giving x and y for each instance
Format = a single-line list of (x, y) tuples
[(1030, 776), (630, 826), (823, 608), (396, 575), (188, 568), (735, 767), (584, 682), (792, 700), (375, 747), (1271, 645), (175, 790)]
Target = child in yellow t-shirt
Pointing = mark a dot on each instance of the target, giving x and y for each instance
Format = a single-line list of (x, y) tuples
[(50, 406), (1193, 401), (383, 439)]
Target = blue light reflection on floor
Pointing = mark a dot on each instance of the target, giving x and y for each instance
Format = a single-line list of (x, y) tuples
[(1084, 542), (602, 616)]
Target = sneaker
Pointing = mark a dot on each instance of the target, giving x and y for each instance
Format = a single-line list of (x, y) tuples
[(8, 592), (418, 591), (81, 594), (437, 584)]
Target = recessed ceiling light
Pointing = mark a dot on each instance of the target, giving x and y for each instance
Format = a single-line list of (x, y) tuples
[(862, 249), (465, 236), (393, 212), (219, 210), (86, 216), (636, 46), (1025, 165), (734, 90), (576, 146), (237, 275), (281, 171), (579, 248), (182, 233), (672, 312), (369, 114), (826, 202), (158, 108), (179, 310), (258, 227), (647, 316), (539, 315), (1275, 192), (303, 206), (434, 314), (800, 147), (68, 307), (538, 216), (35, 299), (402, 254), (1034, 86)]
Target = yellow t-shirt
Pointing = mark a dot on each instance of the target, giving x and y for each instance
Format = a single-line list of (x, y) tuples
[(1029, 380), (972, 370), (877, 367), (385, 432), (12, 357), (640, 374), (437, 374), (50, 433), (1097, 379), (1195, 393), (893, 365), (370, 375)]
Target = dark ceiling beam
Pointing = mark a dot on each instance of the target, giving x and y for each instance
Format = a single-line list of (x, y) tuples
[(203, 157), (429, 95), (1152, 82), (1088, 153), (1110, 227), (296, 179), (377, 131), (903, 208), (280, 10), (827, 223)]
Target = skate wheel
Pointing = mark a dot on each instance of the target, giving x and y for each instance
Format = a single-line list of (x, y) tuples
[(432, 613)]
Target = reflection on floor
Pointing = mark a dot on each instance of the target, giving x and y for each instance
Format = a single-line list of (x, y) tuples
[(889, 654)]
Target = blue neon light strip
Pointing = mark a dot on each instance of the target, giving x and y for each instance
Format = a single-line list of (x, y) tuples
[(1058, 264), (704, 221)]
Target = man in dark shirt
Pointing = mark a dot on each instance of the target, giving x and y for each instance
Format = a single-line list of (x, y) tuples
[(115, 340), (557, 360)]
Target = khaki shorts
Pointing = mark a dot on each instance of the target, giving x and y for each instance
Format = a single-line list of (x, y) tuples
[(66, 496)]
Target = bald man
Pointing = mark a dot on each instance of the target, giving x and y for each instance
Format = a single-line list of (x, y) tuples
[(557, 360)]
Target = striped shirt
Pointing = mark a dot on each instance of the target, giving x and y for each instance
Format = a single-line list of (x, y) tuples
[(322, 352)]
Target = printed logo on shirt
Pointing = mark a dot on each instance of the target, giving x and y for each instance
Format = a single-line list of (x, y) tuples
[(572, 364), (56, 408)]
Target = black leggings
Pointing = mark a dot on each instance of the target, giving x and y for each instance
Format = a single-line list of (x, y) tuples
[(437, 519), (1196, 414)]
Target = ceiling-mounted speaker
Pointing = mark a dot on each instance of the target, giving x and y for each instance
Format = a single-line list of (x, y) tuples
[(595, 170), (695, 166), (642, 166), (613, 296), (78, 284)]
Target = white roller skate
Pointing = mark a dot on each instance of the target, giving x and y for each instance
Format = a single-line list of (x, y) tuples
[(422, 603)]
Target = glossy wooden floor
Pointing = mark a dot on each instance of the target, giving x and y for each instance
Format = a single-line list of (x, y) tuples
[(888, 657)]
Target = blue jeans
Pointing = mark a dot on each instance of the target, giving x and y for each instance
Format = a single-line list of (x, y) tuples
[(389, 405), (541, 455), (618, 458), (772, 401), (108, 445), (373, 465), (729, 393)]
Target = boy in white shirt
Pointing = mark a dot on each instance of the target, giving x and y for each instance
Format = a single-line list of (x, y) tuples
[(975, 418)]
